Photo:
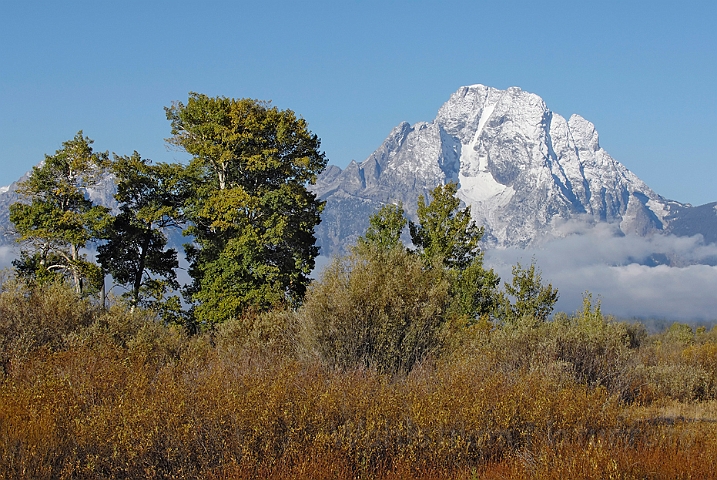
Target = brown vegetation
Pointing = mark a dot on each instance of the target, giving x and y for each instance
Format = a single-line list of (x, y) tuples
[(86, 393)]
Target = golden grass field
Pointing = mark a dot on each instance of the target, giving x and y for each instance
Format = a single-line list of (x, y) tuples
[(87, 393)]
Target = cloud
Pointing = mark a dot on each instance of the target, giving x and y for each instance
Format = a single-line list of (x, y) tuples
[(7, 255), (621, 270), (662, 276)]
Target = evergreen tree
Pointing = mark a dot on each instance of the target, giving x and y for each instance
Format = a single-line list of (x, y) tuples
[(444, 231), (474, 290), (252, 215), (55, 220), (445, 234), (385, 228), (532, 299)]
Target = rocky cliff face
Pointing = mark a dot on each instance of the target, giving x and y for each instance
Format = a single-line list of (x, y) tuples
[(523, 169)]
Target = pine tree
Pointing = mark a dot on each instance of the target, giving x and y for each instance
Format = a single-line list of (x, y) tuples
[(532, 299), (446, 235), (444, 231), (385, 228)]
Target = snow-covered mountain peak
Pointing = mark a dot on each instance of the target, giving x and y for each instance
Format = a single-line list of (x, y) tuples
[(520, 166), (526, 172), (584, 133), (461, 115)]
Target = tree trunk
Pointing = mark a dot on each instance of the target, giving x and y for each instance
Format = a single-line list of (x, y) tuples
[(103, 293), (75, 273), (139, 274)]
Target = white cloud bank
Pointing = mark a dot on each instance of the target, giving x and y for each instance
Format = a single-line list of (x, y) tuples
[(615, 269), (608, 267)]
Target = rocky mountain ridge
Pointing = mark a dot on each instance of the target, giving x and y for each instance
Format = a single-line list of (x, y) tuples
[(526, 172)]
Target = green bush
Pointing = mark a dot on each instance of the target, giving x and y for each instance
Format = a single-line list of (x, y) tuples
[(376, 309), (680, 333)]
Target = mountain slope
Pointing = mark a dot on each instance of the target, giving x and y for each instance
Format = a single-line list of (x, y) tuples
[(524, 170), (527, 173)]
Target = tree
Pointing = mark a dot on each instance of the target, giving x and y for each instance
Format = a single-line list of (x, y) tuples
[(150, 199), (444, 231), (55, 220), (474, 291), (385, 228), (445, 234), (252, 215), (532, 299)]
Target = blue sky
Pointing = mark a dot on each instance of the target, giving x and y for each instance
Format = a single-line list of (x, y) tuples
[(645, 72)]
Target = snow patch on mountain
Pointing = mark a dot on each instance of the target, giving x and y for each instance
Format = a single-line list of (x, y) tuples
[(523, 169)]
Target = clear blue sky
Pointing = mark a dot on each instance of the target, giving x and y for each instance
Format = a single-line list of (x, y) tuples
[(645, 72)]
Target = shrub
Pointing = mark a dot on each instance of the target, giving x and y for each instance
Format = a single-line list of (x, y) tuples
[(382, 310), (586, 348), (266, 333), (38, 317), (597, 348)]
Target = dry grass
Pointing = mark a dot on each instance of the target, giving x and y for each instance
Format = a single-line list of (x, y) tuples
[(115, 395)]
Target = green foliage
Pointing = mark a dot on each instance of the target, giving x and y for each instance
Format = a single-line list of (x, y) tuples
[(385, 228), (33, 267), (55, 220), (532, 299), (474, 291), (446, 234), (150, 198), (252, 216), (444, 231), (386, 307), (380, 310), (682, 333)]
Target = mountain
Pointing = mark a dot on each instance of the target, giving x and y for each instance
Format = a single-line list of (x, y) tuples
[(526, 172), (8, 196), (687, 221)]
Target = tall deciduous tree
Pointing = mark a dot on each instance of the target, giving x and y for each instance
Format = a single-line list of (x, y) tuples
[(56, 219), (150, 198), (252, 215)]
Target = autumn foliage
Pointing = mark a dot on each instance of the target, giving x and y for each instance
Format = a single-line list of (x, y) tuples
[(87, 393)]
